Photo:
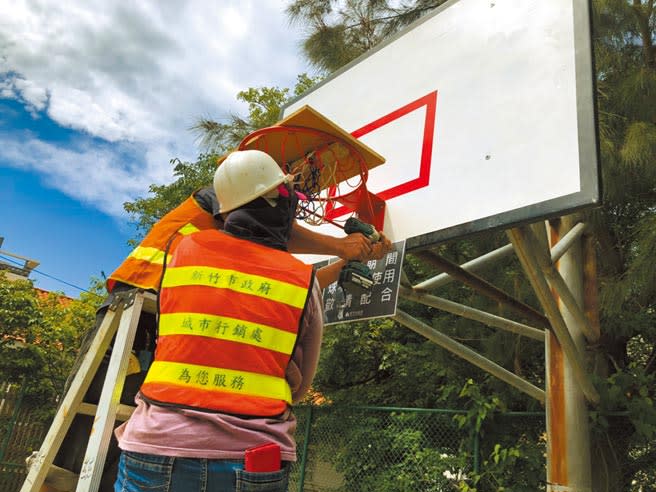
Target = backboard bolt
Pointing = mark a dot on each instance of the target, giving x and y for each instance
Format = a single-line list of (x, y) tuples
[(488, 157)]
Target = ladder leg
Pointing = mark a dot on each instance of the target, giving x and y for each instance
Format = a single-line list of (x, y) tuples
[(72, 400), (94, 459)]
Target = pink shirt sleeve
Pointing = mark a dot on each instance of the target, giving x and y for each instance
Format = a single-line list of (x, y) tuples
[(303, 366)]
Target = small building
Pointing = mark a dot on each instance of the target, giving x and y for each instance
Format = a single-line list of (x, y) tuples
[(19, 267)]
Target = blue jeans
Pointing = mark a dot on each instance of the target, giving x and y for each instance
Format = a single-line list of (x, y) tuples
[(145, 472)]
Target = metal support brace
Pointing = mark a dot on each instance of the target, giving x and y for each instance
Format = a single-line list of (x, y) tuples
[(479, 263), (471, 313), (483, 287), (556, 281), (472, 266), (405, 281), (527, 257), (469, 355), (567, 240)]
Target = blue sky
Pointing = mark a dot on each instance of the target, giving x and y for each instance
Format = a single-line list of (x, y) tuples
[(96, 97)]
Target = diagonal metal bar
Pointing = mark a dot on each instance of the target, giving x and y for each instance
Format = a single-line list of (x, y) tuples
[(558, 283), (471, 266), (484, 287), (479, 263), (529, 263), (561, 247), (469, 355), (404, 279), (471, 313)]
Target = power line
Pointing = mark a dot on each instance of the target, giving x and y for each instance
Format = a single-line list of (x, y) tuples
[(46, 275)]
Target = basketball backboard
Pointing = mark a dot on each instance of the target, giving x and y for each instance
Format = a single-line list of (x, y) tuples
[(484, 112)]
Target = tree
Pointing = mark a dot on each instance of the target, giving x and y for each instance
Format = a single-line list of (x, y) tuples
[(340, 31), (40, 338)]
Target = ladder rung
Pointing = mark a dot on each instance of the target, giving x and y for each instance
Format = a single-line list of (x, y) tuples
[(150, 303), (123, 412), (61, 479), (57, 478)]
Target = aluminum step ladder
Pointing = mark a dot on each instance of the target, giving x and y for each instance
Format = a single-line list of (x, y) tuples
[(122, 318)]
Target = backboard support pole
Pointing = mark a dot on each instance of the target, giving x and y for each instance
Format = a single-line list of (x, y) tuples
[(568, 384), (568, 458)]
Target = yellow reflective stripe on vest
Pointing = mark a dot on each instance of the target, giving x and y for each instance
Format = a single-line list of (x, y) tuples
[(225, 328), (245, 283), (155, 255), (151, 255), (212, 378), (187, 229)]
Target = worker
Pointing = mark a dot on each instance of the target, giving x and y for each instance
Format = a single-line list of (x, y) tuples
[(239, 331), (143, 269)]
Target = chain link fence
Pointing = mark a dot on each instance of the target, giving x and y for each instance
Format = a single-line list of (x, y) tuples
[(20, 433), (382, 449)]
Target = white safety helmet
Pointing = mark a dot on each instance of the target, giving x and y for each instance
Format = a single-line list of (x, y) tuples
[(246, 175)]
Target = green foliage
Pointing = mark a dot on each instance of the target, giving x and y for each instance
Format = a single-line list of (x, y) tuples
[(479, 406), (384, 364), (508, 469), (394, 451), (40, 339), (18, 309), (632, 392), (338, 32), (624, 228), (513, 458)]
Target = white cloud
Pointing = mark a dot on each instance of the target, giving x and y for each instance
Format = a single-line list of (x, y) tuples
[(35, 96), (136, 75), (92, 174)]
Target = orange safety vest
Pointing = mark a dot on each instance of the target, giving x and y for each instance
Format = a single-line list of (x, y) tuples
[(143, 267), (230, 312)]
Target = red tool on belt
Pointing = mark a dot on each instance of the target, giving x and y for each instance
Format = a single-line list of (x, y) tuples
[(264, 458)]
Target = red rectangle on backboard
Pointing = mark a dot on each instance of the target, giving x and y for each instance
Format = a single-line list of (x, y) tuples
[(429, 101)]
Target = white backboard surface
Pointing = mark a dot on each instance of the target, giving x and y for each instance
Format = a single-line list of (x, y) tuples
[(484, 112)]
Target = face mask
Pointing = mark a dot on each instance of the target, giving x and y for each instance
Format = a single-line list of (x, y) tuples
[(261, 223)]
